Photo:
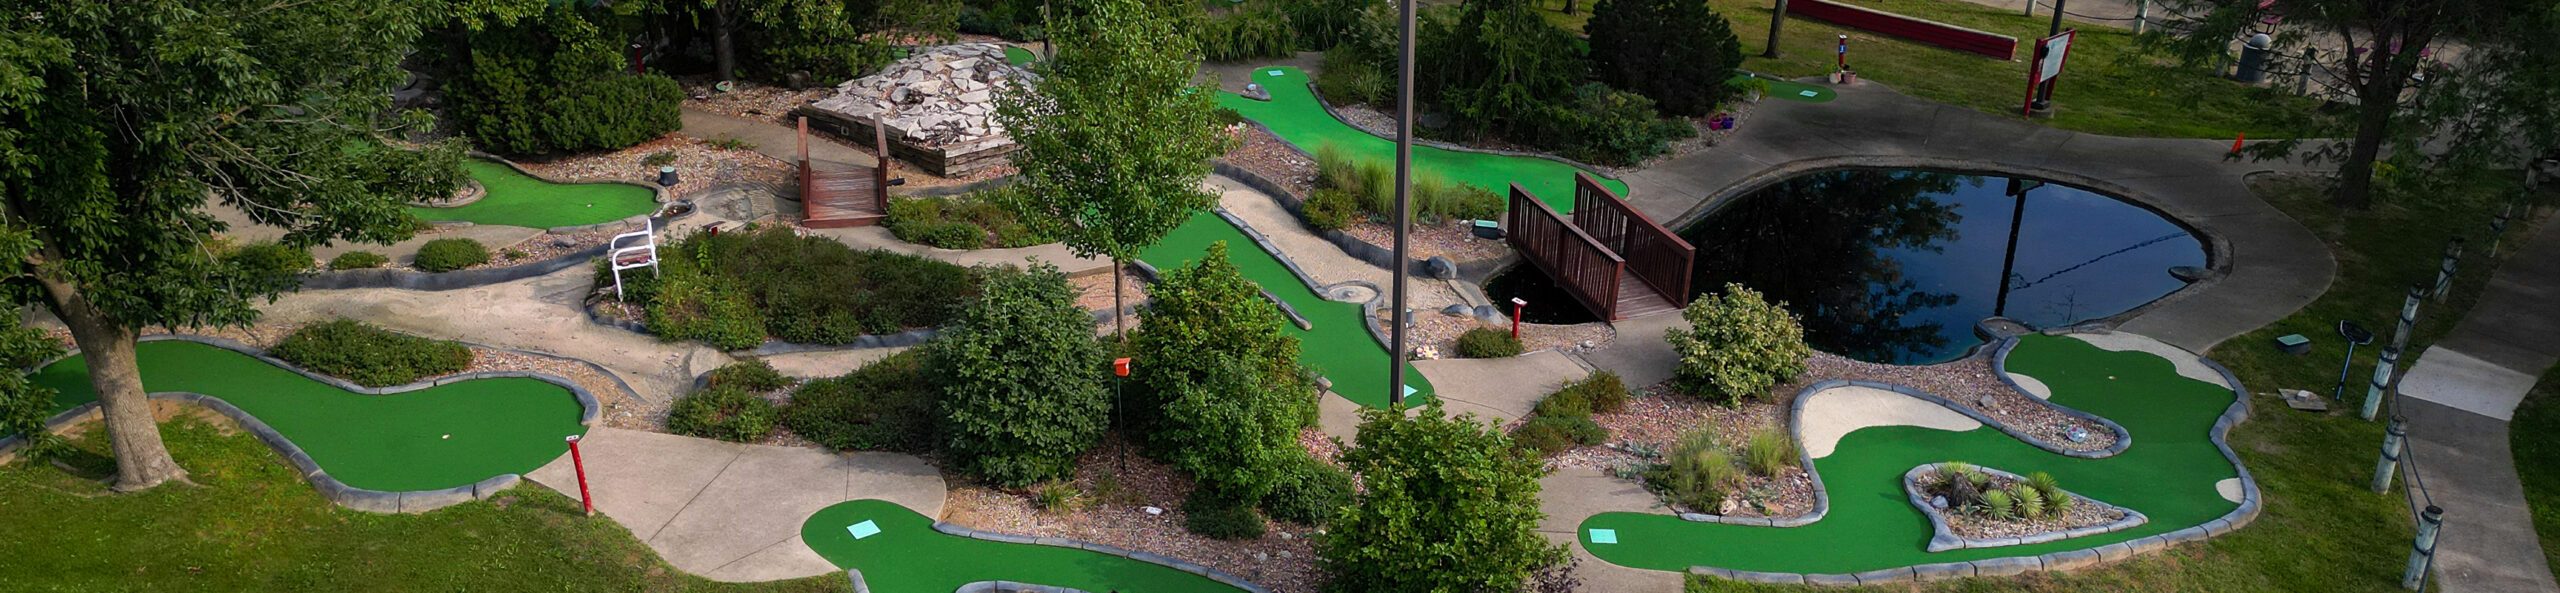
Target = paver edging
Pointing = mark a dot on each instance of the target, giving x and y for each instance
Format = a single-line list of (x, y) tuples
[(2250, 506), (1151, 558), (1944, 537)]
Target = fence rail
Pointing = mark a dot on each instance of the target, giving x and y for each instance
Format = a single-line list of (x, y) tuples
[(1655, 255), (1582, 265)]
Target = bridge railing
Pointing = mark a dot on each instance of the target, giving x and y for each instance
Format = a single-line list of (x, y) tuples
[(1579, 263), (1657, 256)]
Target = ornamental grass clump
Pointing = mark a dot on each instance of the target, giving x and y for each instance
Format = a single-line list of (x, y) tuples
[(1771, 453), (1698, 473), (1739, 345)]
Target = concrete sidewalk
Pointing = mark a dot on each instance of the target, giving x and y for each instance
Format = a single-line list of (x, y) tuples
[(732, 512), (2458, 398)]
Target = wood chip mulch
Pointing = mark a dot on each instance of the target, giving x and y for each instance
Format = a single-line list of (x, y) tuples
[(1112, 511), (699, 165)]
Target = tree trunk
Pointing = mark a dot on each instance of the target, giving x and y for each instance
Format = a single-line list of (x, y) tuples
[(2378, 99), (1569, 6), (724, 52), (142, 461), (1119, 327), (1777, 21)]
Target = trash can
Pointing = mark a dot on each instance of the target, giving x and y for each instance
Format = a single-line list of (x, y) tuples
[(2253, 58)]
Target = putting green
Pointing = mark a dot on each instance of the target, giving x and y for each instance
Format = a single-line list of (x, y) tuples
[(1294, 115), (905, 555), (2168, 474), (517, 199), (438, 437), (1018, 56), (1338, 347)]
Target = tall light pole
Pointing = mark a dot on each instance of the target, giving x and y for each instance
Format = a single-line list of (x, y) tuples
[(1404, 204)]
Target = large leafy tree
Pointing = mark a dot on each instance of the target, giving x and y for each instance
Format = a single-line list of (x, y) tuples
[(1677, 52), (1115, 135), (1450, 506), (2383, 57), (1217, 366), (1021, 379), (119, 119)]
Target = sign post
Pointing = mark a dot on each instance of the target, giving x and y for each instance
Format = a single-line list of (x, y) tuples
[(2051, 53)]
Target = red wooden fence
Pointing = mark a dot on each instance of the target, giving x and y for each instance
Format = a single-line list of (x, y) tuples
[(1586, 269), (1924, 31), (1653, 254)]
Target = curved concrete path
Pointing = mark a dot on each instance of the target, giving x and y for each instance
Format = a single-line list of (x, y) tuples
[(2459, 397), (732, 512)]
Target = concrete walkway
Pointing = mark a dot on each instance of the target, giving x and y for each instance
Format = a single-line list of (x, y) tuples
[(732, 512), (1571, 495), (771, 139), (2266, 264), (2459, 397)]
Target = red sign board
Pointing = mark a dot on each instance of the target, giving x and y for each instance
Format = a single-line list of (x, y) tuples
[(2051, 53)]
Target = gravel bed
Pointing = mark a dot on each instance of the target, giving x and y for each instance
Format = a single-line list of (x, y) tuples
[(749, 99), (1112, 512), (1274, 159), (2082, 514), (1435, 334), (1451, 239), (1660, 414), (1093, 293), (699, 166)]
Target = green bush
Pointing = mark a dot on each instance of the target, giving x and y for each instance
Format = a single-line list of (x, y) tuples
[(733, 289), (752, 375), (1603, 389), (1220, 366), (446, 255), (1610, 127), (1217, 518), (270, 264), (979, 220), (1738, 345), (1018, 20), (1332, 209), (722, 413), (613, 112), (1565, 403), (1426, 478), (1021, 379), (1549, 435), (368, 355), (554, 82), (1254, 33), (695, 307), (1770, 452), (1486, 342), (886, 405), (1308, 493), (1698, 473), (1677, 52), (358, 260)]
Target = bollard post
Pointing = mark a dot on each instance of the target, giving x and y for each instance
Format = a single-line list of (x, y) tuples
[(2444, 271), (2141, 17), (2374, 392), (2422, 554), (2498, 228), (1517, 306), (2408, 317), (2393, 438), (580, 462)]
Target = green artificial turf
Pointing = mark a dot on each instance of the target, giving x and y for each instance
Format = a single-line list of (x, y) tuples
[(1293, 114), (439, 437), (1338, 347), (1018, 56), (517, 199), (908, 556), (2168, 475), (245, 521)]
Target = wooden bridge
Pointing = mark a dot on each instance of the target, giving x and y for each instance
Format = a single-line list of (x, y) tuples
[(1611, 257), (834, 195)]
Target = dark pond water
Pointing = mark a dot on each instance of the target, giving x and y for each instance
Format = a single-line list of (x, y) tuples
[(1896, 266)]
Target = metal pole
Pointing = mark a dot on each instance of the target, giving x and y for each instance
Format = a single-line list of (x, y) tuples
[(2422, 555), (2339, 393), (2392, 438), (2381, 385), (2031, 8), (2302, 83), (2408, 317), (2498, 228), (2141, 17), (580, 462), (1404, 205), (2444, 271), (2057, 18)]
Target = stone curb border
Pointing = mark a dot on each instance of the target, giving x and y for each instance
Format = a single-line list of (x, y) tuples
[(774, 347), (1356, 248), (371, 501), (964, 531), (1946, 539), (2251, 504), (1329, 110)]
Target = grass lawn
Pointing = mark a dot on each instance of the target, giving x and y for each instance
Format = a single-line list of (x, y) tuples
[(2538, 460), (250, 524), (2321, 531), (2107, 88)]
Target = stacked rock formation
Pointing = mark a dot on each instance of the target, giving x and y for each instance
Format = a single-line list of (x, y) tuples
[(938, 105)]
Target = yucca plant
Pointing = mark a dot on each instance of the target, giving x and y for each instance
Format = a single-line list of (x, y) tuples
[(1997, 505), (1948, 472), (2030, 501)]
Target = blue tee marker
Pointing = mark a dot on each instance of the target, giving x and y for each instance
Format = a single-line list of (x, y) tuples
[(863, 529), (1604, 536)]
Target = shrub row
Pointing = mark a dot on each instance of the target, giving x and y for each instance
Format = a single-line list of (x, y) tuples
[(1562, 420), (368, 355), (979, 220), (731, 290)]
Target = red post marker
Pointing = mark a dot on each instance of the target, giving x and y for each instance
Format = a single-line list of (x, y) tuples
[(1120, 367), (581, 462), (1516, 306)]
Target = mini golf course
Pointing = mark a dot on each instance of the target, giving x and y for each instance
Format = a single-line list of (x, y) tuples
[(899, 552), (1294, 115), (517, 199), (438, 437), (1338, 347), (2168, 473)]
